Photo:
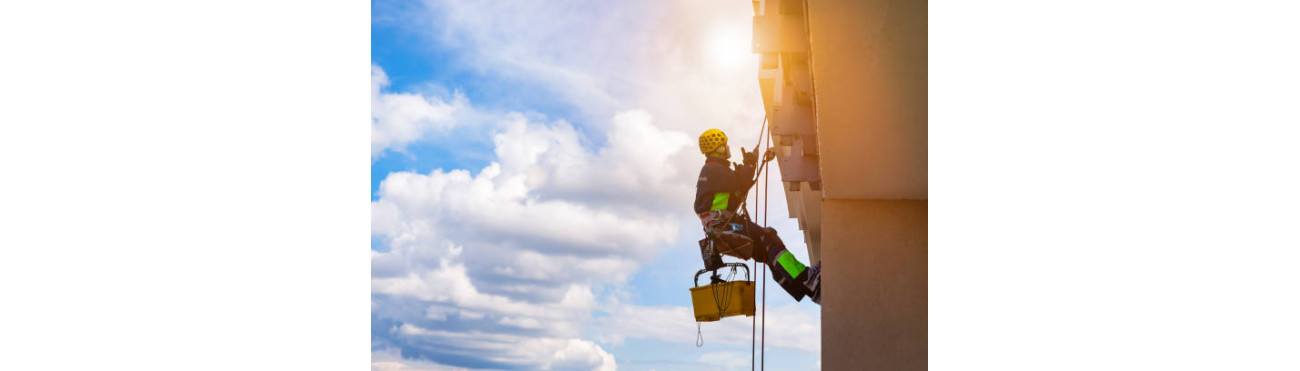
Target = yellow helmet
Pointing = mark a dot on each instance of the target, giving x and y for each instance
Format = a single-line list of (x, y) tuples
[(713, 142)]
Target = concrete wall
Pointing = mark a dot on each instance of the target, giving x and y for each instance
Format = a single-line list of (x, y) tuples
[(874, 285), (870, 77), (867, 66)]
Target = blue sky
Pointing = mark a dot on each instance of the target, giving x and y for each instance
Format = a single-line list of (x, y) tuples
[(532, 170)]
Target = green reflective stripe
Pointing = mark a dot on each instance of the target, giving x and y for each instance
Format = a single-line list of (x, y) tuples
[(791, 265), (720, 200)]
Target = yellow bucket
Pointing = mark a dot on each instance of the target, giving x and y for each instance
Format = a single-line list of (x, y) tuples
[(733, 298)]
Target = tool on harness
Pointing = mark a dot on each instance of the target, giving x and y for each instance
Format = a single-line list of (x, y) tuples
[(722, 298), (725, 233), (709, 253)]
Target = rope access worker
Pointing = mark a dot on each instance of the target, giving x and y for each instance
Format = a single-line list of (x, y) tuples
[(718, 195)]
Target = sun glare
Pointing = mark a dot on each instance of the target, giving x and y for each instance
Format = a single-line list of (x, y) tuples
[(729, 47)]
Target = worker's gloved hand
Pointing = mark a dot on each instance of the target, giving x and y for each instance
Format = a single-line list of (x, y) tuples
[(750, 158), (767, 156)]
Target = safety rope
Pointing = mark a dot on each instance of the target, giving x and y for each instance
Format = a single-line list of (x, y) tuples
[(754, 319), (761, 171), (762, 166), (766, 185), (753, 325), (723, 300)]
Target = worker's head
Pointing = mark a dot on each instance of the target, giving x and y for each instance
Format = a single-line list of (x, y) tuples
[(713, 143)]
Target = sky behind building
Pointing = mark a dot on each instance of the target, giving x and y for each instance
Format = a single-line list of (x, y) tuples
[(532, 169)]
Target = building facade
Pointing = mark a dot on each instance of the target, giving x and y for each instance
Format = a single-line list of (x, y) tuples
[(844, 84)]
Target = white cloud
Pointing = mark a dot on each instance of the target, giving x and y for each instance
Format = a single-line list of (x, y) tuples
[(787, 327), (389, 359), (548, 212), (546, 353), (517, 249), (642, 165), (582, 355), (729, 360), (449, 287), (528, 323), (398, 119)]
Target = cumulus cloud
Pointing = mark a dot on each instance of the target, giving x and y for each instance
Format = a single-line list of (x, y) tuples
[(548, 214), (397, 119), (788, 327), (514, 350), (390, 359), (642, 165), (554, 354), (510, 257), (730, 360)]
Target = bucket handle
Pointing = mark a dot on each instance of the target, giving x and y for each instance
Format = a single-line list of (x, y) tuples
[(733, 267)]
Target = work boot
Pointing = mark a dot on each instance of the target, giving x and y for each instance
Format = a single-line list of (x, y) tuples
[(814, 282)]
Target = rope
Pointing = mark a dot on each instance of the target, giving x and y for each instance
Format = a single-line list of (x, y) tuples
[(754, 320), (762, 166), (722, 301), (760, 141), (699, 336), (753, 323), (766, 185), (762, 170)]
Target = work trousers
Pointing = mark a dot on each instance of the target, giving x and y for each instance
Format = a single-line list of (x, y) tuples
[(794, 277)]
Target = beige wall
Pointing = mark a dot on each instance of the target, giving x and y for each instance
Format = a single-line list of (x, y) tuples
[(866, 69), (870, 77), (874, 285)]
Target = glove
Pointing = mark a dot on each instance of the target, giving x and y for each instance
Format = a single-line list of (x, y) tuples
[(751, 158), (767, 156)]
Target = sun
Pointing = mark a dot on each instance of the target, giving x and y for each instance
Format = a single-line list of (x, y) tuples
[(728, 48)]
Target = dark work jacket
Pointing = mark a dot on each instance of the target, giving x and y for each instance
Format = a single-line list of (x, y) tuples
[(717, 178)]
